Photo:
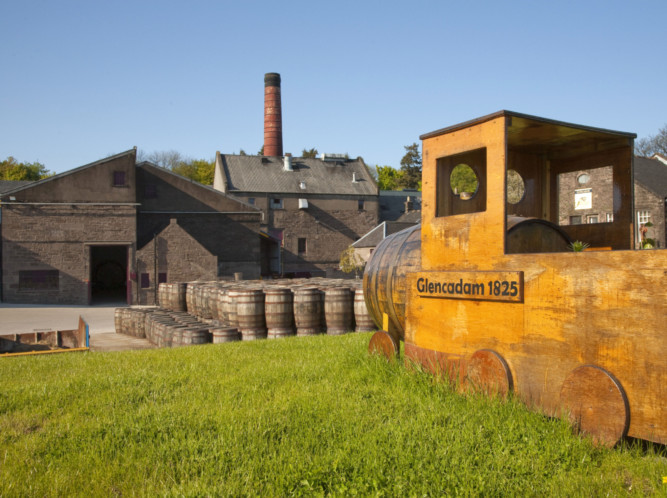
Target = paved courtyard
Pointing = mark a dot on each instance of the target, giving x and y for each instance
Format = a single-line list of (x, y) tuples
[(22, 318)]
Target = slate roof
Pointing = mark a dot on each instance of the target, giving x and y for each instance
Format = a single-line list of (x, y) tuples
[(392, 204), (7, 185), (381, 232), (267, 174), (652, 175)]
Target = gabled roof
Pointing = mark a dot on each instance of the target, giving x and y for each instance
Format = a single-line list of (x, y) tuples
[(148, 166), (263, 174), (69, 172), (8, 185), (652, 175), (380, 232)]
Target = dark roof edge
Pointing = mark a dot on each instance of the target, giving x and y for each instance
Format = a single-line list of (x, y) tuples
[(71, 171), (367, 170), (190, 180), (505, 113)]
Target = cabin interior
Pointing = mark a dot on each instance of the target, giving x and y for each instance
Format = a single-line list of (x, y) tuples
[(541, 155)]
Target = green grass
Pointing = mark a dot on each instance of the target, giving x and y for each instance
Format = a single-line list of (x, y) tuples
[(300, 416)]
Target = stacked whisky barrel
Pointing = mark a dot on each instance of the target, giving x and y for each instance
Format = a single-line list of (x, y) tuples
[(201, 312)]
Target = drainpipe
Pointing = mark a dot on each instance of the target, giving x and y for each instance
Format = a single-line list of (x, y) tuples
[(155, 267)]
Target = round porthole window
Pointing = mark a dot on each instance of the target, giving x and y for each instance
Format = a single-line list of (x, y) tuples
[(516, 188), (583, 178), (464, 182)]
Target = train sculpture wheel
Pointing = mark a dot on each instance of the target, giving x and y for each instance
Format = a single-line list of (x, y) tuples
[(383, 344), (596, 404), (488, 371)]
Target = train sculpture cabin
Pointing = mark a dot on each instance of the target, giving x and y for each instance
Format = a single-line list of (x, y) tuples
[(490, 291)]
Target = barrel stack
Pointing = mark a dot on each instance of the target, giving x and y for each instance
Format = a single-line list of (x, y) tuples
[(226, 311)]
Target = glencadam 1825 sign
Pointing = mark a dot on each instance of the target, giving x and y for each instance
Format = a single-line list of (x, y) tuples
[(476, 285)]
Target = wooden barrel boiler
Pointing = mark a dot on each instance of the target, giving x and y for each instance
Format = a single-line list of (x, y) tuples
[(384, 277)]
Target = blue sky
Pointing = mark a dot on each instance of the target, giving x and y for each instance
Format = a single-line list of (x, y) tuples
[(85, 79)]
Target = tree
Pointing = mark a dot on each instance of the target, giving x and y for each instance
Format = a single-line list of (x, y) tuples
[(350, 262), (653, 144), (242, 153), (167, 158), (261, 151), (199, 170), (411, 167), (11, 169), (388, 178), (312, 153), (463, 179)]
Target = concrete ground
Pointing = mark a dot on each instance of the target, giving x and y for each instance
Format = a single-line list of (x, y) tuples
[(21, 318)]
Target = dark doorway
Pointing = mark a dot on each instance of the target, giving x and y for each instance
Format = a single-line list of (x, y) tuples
[(108, 274)]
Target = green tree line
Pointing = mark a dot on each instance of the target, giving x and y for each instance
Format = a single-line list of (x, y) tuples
[(11, 169), (409, 176)]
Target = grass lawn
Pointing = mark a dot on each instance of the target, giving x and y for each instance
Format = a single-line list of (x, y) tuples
[(299, 416)]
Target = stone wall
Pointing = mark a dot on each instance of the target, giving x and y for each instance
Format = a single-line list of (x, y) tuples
[(180, 258), (327, 226), (646, 200), (58, 237), (601, 184)]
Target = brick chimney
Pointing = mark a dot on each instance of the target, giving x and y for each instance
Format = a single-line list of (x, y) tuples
[(273, 121)]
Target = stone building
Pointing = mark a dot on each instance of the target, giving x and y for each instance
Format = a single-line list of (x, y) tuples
[(312, 208), (586, 196), (114, 229), (399, 209)]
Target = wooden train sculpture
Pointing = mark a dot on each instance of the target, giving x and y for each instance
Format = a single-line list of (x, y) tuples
[(489, 291)]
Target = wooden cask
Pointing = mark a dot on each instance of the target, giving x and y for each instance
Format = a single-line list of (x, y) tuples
[(362, 318), (279, 312), (224, 334), (250, 314), (384, 277), (307, 311), (338, 310), (528, 235)]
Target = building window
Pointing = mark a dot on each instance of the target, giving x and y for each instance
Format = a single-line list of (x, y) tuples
[(575, 220), (583, 179), (592, 218), (643, 217), (38, 280), (119, 178), (302, 246), (251, 201), (610, 217), (145, 281), (161, 278), (276, 203), (360, 205), (150, 191)]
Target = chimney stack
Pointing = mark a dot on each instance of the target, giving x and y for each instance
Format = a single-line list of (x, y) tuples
[(273, 121)]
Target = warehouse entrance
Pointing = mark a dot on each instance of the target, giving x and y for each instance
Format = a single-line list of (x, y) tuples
[(108, 274)]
